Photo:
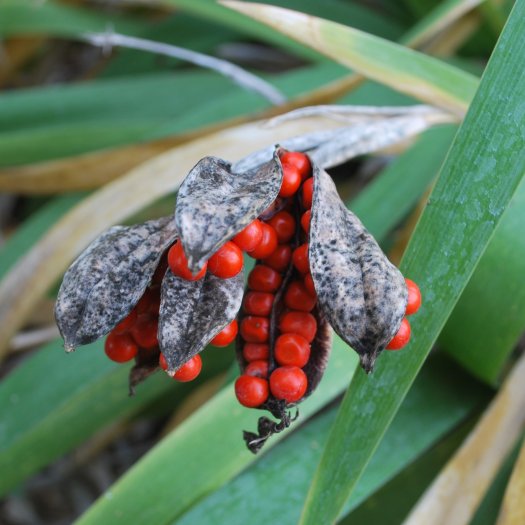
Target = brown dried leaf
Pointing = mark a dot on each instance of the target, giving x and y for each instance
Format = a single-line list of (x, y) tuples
[(192, 313), (104, 283), (362, 294), (214, 204)]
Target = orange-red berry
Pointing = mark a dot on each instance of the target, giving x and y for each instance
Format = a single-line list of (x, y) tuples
[(255, 351), (284, 225), (227, 261), (402, 336), (145, 330), (264, 279), (297, 297), (305, 221), (189, 370), (257, 368), (309, 285), (226, 335), (178, 264), (280, 258), (301, 323), (307, 192), (268, 243), (300, 258), (251, 391), (288, 383), (292, 350), (258, 303), (291, 181), (249, 238), (127, 323), (120, 347), (414, 297), (299, 160), (255, 329)]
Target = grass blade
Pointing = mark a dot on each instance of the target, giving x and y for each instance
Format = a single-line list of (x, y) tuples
[(408, 71), (458, 490), (478, 180), (440, 399), (479, 340)]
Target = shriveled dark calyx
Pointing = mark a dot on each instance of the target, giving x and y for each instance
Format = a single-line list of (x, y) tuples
[(214, 204), (192, 313), (362, 294), (105, 282)]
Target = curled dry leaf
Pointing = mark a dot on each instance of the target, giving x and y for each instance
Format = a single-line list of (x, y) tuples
[(106, 281), (361, 292), (192, 313), (214, 204)]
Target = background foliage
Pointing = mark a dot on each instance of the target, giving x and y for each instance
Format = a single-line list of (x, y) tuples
[(90, 137)]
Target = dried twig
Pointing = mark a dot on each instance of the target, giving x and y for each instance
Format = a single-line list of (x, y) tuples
[(239, 75)]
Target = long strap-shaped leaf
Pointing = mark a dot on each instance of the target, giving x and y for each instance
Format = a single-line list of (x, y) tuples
[(482, 171), (403, 69)]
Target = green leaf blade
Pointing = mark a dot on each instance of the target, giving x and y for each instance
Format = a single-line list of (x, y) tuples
[(478, 180)]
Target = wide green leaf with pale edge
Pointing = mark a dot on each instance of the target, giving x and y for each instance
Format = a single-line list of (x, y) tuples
[(416, 74), (440, 399), (477, 338), (480, 176), (81, 394)]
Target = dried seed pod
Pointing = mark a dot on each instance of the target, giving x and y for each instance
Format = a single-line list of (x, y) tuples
[(214, 204), (105, 282), (362, 294), (192, 313)]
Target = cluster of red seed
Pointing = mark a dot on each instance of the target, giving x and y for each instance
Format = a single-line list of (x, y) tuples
[(280, 372), (414, 302), (138, 332), (276, 243)]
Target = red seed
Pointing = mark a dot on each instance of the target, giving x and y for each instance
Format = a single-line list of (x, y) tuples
[(305, 221), (226, 335), (280, 258), (299, 160), (402, 336), (257, 369), (307, 192), (251, 391), (284, 225), (255, 351), (297, 297), (414, 297), (258, 303), (301, 323), (291, 181), (162, 362), (189, 370), (145, 330), (300, 258), (255, 329), (179, 264), (309, 285), (120, 347), (127, 323), (227, 261), (249, 238), (148, 300), (292, 350), (268, 243), (264, 279), (288, 383)]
